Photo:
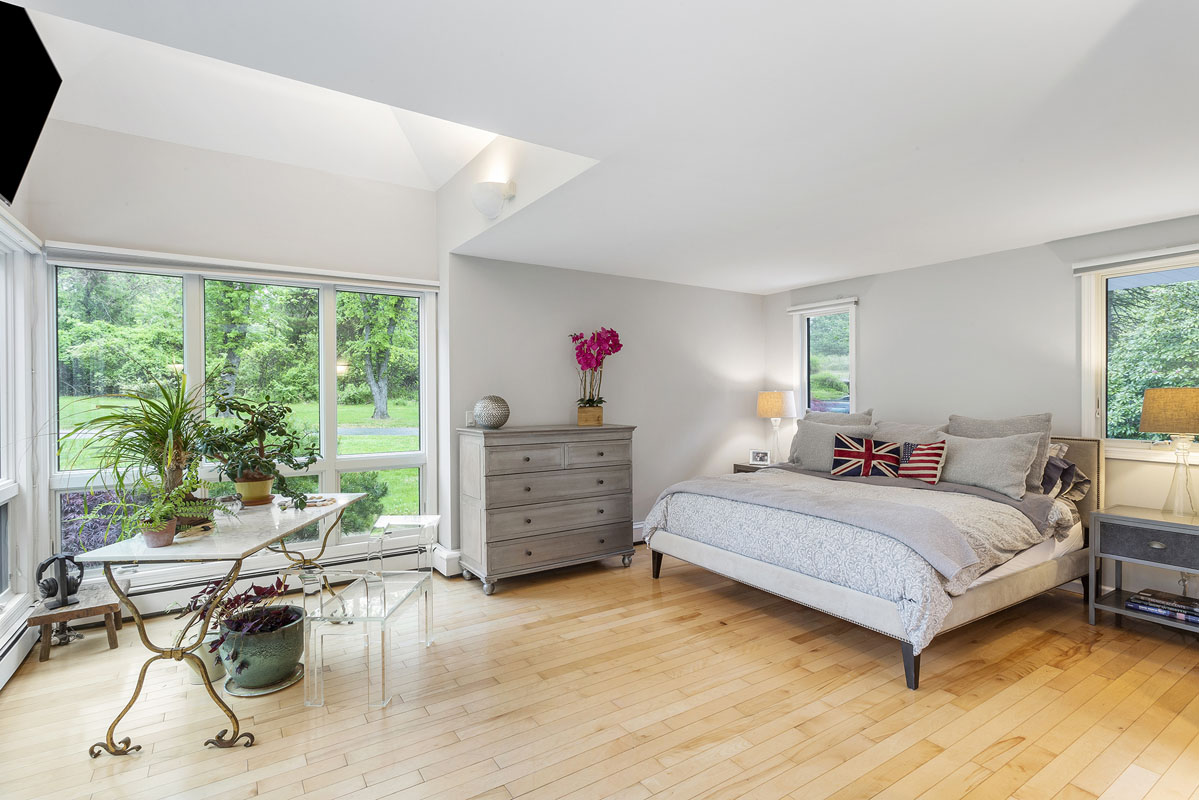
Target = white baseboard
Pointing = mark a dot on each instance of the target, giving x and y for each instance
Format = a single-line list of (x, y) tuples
[(445, 561), (638, 532), (13, 651)]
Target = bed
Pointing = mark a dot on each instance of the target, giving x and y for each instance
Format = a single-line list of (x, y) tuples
[(890, 590)]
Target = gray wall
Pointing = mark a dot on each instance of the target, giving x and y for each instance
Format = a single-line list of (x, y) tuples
[(688, 375)]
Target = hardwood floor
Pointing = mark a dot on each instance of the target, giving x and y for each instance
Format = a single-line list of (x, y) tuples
[(596, 682)]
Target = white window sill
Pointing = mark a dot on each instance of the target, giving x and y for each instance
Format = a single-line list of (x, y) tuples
[(1129, 450)]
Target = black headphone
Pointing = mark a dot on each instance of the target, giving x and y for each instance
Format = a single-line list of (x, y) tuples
[(49, 587)]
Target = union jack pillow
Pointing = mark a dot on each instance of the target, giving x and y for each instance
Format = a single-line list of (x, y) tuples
[(863, 458), (923, 462)]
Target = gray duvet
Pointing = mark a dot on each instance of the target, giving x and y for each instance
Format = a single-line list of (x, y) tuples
[(853, 534)]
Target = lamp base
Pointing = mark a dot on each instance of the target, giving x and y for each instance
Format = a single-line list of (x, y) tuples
[(1180, 500), (774, 440)]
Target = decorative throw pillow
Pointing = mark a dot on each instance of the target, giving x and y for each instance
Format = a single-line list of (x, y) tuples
[(863, 458), (812, 447), (999, 464), (837, 418), (910, 432), (973, 428), (923, 462)]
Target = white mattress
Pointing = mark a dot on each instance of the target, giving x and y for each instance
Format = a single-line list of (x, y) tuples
[(1047, 550)]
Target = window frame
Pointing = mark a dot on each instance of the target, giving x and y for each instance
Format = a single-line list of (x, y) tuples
[(800, 314), (330, 466), (1093, 277)]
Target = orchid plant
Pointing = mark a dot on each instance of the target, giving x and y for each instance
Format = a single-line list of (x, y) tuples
[(590, 353)]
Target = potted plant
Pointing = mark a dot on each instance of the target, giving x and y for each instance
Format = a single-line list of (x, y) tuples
[(260, 640), (251, 451), (590, 353), (152, 509)]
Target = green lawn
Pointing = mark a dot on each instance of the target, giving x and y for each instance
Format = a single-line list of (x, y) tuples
[(404, 414)]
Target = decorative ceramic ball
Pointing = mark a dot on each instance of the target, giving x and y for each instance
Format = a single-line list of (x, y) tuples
[(491, 412)]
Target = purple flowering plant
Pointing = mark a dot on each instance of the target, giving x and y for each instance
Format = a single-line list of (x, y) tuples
[(590, 354)]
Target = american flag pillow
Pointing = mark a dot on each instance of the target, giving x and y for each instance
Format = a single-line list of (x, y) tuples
[(865, 457), (922, 461)]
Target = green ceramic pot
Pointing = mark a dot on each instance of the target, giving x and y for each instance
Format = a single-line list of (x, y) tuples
[(256, 660)]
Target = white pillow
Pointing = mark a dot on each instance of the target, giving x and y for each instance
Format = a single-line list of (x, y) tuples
[(812, 447), (998, 464)]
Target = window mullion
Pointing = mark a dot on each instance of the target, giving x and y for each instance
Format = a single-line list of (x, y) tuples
[(327, 406), (193, 330)]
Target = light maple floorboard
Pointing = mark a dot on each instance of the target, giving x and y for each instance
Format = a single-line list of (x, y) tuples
[(598, 682)]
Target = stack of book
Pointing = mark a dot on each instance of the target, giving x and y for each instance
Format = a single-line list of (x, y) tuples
[(1165, 604)]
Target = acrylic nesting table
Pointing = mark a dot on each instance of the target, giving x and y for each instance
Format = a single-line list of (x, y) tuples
[(233, 539)]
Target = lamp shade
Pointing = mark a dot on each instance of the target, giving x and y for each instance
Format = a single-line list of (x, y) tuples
[(1168, 411), (775, 405)]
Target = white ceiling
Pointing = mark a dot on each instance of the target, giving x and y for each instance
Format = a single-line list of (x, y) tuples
[(121, 83), (763, 145)]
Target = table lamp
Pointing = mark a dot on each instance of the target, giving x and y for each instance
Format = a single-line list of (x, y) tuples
[(1174, 411), (774, 406)]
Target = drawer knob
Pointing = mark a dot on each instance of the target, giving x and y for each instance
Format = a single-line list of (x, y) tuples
[(600, 481), (1157, 545), (528, 522), (600, 453), (528, 488), (602, 541), (599, 511), (528, 552), (526, 458)]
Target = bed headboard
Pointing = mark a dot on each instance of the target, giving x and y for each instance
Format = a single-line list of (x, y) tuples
[(1088, 455)]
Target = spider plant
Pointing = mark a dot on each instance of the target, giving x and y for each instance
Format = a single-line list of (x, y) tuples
[(150, 433)]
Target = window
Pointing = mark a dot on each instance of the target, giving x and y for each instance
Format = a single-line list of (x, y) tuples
[(349, 360), (1139, 333), (824, 334), (4, 569)]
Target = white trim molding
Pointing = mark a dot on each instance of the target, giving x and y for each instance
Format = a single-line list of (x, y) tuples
[(1093, 276)]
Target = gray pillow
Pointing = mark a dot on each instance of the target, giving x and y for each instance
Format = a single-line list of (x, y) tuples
[(812, 447), (973, 428), (837, 418), (999, 464), (910, 432)]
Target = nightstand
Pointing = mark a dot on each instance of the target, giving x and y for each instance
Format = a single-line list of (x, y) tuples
[(1146, 536), (743, 467)]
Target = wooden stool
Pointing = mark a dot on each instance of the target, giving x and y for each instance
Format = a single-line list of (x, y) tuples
[(96, 598)]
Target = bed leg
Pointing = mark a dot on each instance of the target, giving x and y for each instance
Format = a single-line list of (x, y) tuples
[(656, 557), (1085, 580), (911, 665)]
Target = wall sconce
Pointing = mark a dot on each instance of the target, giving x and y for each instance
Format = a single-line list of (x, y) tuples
[(489, 196), (342, 369)]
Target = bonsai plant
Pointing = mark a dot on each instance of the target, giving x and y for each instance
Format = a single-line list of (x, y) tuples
[(260, 640), (250, 452), (590, 353)]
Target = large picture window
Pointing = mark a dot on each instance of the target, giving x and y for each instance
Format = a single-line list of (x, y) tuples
[(824, 344), (348, 360)]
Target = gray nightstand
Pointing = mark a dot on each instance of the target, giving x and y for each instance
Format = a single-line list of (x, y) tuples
[(1147, 536), (743, 467)]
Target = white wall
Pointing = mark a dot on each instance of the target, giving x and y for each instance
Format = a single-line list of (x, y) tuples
[(687, 376), (98, 187), (995, 335)]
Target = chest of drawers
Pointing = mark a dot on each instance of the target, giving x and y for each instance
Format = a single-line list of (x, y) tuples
[(538, 497)]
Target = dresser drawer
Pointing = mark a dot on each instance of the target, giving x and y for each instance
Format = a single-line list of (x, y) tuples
[(1146, 544), (547, 517), (596, 454), (528, 458), (541, 487), (561, 547)]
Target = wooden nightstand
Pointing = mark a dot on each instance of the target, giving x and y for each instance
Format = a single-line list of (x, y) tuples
[(743, 467), (1147, 536)]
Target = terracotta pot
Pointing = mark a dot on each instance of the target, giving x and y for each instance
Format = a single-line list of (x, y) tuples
[(160, 537), (255, 493), (591, 416)]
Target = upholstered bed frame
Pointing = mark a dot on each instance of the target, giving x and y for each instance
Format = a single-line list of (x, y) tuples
[(881, 615)]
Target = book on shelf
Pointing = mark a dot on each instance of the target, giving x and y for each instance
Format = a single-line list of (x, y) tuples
[(1176, 602), (1158, 611)]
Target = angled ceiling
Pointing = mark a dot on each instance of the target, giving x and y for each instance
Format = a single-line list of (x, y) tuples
[(761, 146), (129, 85)]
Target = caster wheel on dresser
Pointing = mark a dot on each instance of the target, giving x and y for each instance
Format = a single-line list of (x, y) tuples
[(466, 576), (489, 588), (626, 560)]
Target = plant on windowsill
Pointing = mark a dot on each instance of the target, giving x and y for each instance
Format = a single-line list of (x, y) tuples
[(590, 353), (251, 452), (260, 640)]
